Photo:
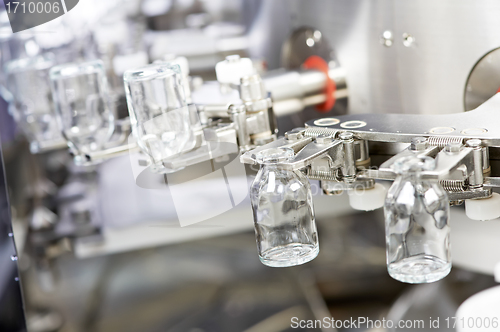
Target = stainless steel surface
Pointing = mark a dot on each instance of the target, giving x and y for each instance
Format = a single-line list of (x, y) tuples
[(325, 155), (49, 146), (413, 59), (453, 147), (483, 81), (293, 84), (349, 167), (418, 144), (446, 164), (304, 157), (324, 139), (239, 117), (364, 153), (492, 181), (303, 43), (291, 91), (385, 171), (12, 315), (113, 152), (296, 145), (427, 78), (335, 187), (477, 178), (403, 127), (252, 89), (476, 194)]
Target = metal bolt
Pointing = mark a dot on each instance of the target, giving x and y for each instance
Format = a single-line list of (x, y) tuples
[(408, 40), (239, 118), (317, 35), (293, 136), (349, 167), (234, 109), (476, 180), (346, 136), (418, 144), (252, 88), (453, 147), (474, 143), (324, 139), (387, 38)]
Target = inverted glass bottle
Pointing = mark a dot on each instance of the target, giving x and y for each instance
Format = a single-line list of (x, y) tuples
[(13, 46), (283, 212), (159, 114), (32, 106), (83, 106), (417, 229)]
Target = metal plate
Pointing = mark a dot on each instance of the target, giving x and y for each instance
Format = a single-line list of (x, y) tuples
[(482, 123), (483, 81), (11, 301), (424, 77), (303, 43)]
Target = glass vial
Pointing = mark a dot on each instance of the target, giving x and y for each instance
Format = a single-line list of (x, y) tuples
[(32, 106), (83, 106), (13, 46), (417, 229), (159, 114), (283, 212)]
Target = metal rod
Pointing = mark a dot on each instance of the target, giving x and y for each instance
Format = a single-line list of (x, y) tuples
[(239, 117), (349, 169), (476, 180)]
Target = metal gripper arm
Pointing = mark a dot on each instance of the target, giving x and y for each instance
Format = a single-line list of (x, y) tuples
[(335, 150)]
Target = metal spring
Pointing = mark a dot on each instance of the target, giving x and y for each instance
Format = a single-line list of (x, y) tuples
[(322, 175), (315, 132), (442, 141), (454, 186)]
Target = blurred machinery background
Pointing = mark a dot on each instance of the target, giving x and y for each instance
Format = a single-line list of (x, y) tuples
[(105, 245)]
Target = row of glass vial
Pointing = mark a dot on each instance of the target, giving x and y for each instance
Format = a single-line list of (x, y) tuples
[(84, 110), (416, 210), (51, 101), (416, 218)]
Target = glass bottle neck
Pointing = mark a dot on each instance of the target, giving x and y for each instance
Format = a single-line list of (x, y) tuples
[(269, 166), (411, 176)]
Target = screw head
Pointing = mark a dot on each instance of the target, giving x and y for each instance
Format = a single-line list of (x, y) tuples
[(293, 136), (234, 109), (324, 139), (418, 143), (387, 38), (346, 136), (473, 143), (453, 147), (408, 40)]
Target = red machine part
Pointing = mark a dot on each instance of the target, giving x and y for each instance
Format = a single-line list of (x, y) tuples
[(318, 63)]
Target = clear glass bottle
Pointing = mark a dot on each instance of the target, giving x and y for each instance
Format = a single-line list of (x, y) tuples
[(83, 106), (283, 212), (13, 46), (417, 229), (32, 106), (159, 114)]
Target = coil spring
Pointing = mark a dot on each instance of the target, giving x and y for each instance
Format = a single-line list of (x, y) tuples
[(315, 132), (322, 175), (454, 186), (442, 141)]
